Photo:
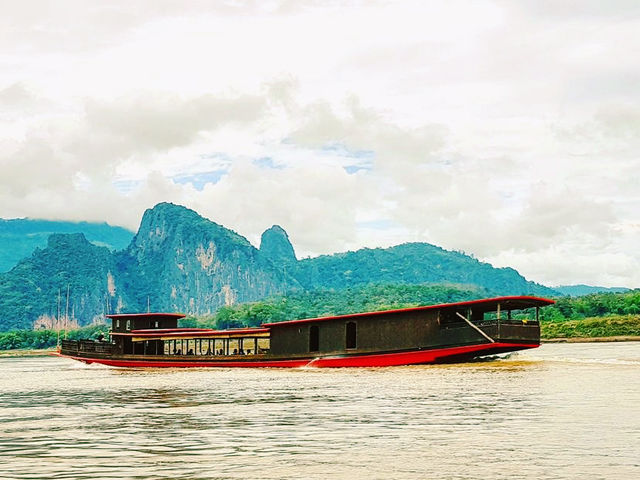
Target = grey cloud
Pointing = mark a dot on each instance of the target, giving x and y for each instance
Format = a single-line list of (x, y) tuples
[(572, 9), (551, 218), (151, 123), (364, 129), (325, 197), (17, 96), (32, 167), (80, 25), (622, 121)]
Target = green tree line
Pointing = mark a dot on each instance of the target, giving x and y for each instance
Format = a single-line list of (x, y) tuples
[(593, 305), (43, 338)]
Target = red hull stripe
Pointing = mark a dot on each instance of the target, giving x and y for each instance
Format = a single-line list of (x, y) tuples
[(373, 360)]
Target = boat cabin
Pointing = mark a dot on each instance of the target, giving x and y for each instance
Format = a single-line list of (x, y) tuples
[(453, 324), (123, 325)]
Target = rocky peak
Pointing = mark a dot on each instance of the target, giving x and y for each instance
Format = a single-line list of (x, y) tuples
[(275, 245), (181, 261), (175, 224), (67, 240)]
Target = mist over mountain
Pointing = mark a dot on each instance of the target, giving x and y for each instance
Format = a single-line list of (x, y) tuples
[(180, 261), (20, 237)]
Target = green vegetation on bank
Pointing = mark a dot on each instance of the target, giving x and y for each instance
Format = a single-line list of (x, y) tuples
[(594, 305), (611, 326), (595, 315), (38, 339)]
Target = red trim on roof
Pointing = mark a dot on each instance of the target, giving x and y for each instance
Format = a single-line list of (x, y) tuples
[(145, 315), (524, 301), (189, 332)]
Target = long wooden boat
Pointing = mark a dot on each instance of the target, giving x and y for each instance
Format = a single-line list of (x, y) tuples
[(450, 332)]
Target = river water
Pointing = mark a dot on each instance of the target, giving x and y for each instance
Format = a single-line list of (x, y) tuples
[(563, 411)]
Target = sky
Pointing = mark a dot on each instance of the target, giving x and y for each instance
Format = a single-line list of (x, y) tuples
[(509, 130)]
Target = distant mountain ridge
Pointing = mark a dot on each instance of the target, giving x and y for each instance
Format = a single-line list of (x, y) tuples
[(580, 290), (20, 237), (411, 263), (180, 261)]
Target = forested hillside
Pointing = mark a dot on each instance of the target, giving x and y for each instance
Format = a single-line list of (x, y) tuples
[(36, 290), (411, 263)]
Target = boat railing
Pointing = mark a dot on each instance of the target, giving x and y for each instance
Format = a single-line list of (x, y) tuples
[(491, 322), (515, 321), (88, 346), (500, 328), (69, 345)]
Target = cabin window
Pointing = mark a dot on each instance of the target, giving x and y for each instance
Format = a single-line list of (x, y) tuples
[(351, 332), (314, 338), (117, 323), (155, 324), (128, 325), (449, 318)]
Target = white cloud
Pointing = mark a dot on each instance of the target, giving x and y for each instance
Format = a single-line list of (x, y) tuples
[(510, 132)]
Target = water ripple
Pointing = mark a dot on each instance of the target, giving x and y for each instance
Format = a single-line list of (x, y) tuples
[(561, 412)]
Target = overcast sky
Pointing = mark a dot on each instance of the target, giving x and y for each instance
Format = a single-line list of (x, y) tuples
[(509, 130)]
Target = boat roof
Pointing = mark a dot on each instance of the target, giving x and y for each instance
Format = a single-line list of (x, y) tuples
[(145, 315), (484, 305), (184, 333)]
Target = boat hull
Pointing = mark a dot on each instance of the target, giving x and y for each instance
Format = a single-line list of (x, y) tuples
[(382, 359)]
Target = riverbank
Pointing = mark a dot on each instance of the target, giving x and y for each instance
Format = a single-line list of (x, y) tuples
[(27, 353), (594, 329), (617, 338)]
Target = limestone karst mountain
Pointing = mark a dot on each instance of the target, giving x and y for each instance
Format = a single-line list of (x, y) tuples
[(181, 261)]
